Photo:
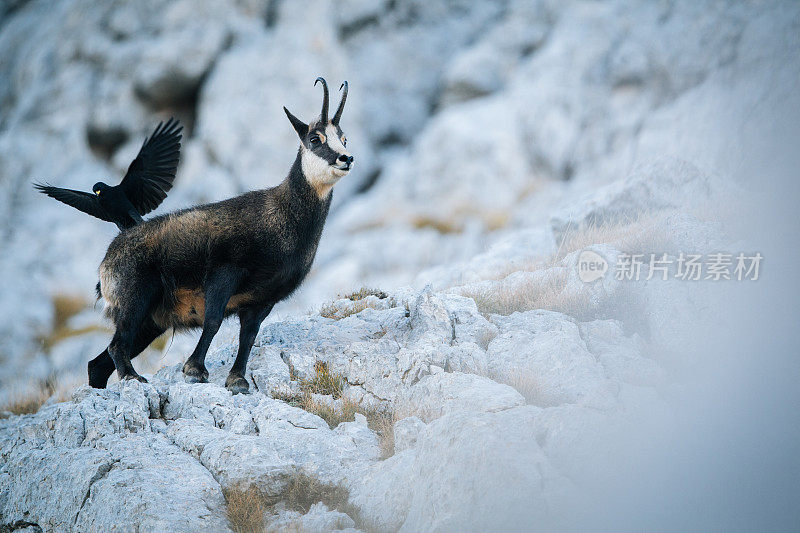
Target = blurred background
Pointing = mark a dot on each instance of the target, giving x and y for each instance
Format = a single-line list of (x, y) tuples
[(482, 132)]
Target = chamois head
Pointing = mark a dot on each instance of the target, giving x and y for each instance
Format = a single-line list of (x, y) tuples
[(323, 154)]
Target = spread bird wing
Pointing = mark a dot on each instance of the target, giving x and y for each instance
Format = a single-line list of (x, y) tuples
[(151, 174), (84, 201)]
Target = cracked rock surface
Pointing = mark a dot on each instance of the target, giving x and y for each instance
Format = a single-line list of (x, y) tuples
[(495, 142), (161, 454)]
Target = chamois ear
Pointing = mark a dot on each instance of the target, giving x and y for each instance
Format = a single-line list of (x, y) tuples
[(299, 126)]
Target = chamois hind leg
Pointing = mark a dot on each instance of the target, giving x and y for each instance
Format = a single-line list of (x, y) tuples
[(219, 287), (250, 320), (128, 319), (101, 367)]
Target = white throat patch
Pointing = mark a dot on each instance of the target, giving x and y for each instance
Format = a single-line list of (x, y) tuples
[(319, 174)]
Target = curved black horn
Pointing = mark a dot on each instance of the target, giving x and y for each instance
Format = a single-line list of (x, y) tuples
[(324, 115), (339, 110)]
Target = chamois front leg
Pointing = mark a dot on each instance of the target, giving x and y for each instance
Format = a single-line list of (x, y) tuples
[(250, 320), (219, 288)]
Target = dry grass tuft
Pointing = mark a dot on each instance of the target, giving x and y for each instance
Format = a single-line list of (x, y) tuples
[(548, 294), (496, 220), (303, 491), (328, 383), (338, 309), (337, 313), (492, 221), (60, 334), (441, 226), (334, 413), (363, 292), (382, 423), (65, 307), (525, 384), (30, 401), (358, 301), (640, 233), (637, 235), (249, 506), (324, 381)]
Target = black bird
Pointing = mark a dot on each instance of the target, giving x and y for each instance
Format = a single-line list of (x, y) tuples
[(143, 188)]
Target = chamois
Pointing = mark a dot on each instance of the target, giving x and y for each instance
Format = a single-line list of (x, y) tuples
[(242, 255)]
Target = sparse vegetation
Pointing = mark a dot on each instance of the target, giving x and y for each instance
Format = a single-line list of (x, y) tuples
[(550, 290), (442, 226), (492, 220), (249, 506), (525, 384), (334, 413), (324, 381), (65, 306), (303, 491), (358, 301), (328, 383), (31, 400), (338, 312), (639, 233), (382, 423), (509, 296), (363, 292), (496, 220), (27, 403)]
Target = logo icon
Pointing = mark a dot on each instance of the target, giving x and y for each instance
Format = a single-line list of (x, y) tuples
[(591, 266)]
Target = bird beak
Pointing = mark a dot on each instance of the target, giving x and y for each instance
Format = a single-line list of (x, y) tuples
[(97, 193)]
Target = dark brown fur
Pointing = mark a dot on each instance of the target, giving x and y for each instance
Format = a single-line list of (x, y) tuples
[(265, 233), (196, 266)]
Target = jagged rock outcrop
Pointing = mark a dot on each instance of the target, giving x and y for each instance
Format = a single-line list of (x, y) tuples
[(495, 142), (162, 454)]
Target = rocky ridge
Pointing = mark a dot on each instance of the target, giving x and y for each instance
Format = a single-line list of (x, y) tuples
[(520, 134)]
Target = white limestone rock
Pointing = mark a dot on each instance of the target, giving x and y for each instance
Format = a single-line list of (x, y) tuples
[(318, 519), (450, 486), (547, 348), (437, 395), (97, 466), (406, 432), (667, 183), (622, 357)]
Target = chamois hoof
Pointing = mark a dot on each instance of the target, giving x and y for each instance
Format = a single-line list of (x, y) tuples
[(237, 384), (137, 377), (194, 374)]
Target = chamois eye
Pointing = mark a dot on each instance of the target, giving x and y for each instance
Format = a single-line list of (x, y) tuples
[(344, 141), (314, 139)]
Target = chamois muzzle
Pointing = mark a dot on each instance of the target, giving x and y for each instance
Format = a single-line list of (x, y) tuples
[(346, 161)]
